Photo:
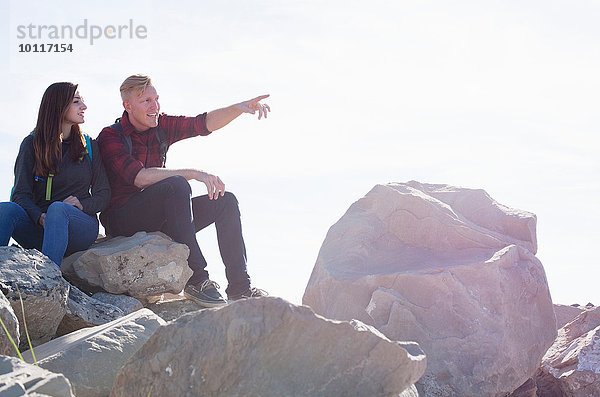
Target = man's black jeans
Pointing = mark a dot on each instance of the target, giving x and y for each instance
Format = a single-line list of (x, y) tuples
[(166, 206)]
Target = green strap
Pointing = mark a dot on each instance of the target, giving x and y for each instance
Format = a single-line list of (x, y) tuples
[(49, 187)]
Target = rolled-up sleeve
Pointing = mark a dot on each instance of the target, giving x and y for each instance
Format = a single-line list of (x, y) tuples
[(182, 127)]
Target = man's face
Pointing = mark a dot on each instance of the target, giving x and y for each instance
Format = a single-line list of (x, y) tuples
[(143, 108)]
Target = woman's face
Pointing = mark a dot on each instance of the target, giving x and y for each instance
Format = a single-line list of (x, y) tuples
[(76, 110)]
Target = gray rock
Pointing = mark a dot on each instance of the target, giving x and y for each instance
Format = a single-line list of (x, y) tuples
[(571, 367), (268, 347), (42, 288), (91, 357), (10, 321), (449, 268), (172, 309), (21, 379), (141, 265), (127, 304), (84, 311)]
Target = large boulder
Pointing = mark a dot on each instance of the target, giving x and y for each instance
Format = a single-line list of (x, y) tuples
[(565, 314), (571, 367), (268, 347), (85, 311), (141, 265), (446, 267), (37, 280), (21, 379), (90, 358), (11, 324)]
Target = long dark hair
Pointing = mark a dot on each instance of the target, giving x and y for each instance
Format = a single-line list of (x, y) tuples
[(46, 143)]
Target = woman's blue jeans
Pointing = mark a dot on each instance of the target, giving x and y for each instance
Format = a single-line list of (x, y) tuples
[(67, 229)]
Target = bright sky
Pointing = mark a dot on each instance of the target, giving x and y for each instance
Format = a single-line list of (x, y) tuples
[(499, 95)]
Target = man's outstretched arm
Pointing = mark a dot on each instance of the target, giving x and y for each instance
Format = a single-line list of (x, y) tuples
[(221, 117)]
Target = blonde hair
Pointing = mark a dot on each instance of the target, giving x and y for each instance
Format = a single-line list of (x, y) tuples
[(137, 82)]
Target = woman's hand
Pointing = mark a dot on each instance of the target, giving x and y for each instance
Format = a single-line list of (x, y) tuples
[(74, 201), (42, 220)]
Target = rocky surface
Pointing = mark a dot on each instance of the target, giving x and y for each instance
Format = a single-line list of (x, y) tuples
[(21, 379), (43, 290), (84, 311), (446, 267), (565, 314), (173, 307), (90, 358), (127, 304), (527, 389), (268, 347), (141, 265), (571, 367), (11, 323)]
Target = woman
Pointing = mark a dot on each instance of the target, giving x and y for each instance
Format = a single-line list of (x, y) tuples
[(51, 207)]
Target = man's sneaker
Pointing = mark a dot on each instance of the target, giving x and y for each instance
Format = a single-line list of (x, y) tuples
[(250, 293), (205, 294)]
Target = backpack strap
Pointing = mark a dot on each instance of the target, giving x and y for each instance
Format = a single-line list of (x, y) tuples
[(88, 146), (161, 136), (126, 138), (89, 154)]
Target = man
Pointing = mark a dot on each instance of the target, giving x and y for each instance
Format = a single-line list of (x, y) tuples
[(148, 197)]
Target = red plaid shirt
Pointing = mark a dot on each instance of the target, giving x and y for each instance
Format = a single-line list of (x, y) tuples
[(122, 167)]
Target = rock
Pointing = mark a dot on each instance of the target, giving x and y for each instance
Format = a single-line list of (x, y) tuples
[(268, 347), (11, 323), (171, 309), (410, 392), (84, 311), (527, 389), (565, 314), (571, 367), (127, 304), (42, 288), (141, 265), (91, 357), (21, 379), (446, 267)]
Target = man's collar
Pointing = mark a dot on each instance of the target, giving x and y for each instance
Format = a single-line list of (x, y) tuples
[(128, 128)]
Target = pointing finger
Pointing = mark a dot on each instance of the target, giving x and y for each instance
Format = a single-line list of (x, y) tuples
[(260, 97)]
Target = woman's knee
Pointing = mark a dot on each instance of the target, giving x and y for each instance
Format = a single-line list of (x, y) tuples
[(57, 209), (10, 210)]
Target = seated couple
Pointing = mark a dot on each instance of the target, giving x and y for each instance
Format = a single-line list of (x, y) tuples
[(63, 179)]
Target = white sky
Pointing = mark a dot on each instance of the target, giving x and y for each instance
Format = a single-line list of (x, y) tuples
[(499, 95)]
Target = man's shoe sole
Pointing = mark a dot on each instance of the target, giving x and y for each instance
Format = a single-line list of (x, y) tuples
[(203, 303)]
